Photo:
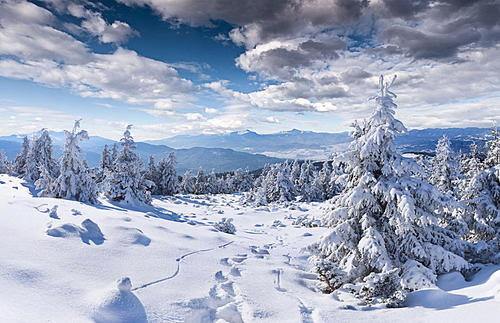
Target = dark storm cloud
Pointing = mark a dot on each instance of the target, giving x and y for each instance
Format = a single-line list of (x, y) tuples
[(433, 46), (283, 62), (440, 31)]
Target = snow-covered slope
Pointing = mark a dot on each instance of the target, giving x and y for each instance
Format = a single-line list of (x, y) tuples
[(71, 264)]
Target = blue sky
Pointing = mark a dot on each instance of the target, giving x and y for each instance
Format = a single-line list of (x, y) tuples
[(188, 67)]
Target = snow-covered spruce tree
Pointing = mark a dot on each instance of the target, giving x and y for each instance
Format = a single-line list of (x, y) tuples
[(303, 185), (200, 182), (5, 166), (167, 176), (187, 183), (316, 188), (481, 206), (222, 187), (279, 188), (211, 183), (424, 161), (482, 213), (126, 182), (445, 169), (20, 163), (152, 174), (74, 181), (106, 162), (246, 181), (339, 176), (470, 165), (295, 172), (385, 237), (40, 156), (493, 157)]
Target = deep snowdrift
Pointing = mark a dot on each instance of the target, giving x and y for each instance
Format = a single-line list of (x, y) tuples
[(65, 267)]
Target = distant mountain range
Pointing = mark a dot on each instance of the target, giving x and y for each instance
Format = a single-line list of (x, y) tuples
[(296, 144), (219, 159), (226, 152)]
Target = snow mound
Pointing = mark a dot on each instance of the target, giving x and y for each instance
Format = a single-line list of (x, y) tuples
[(451, 281), (120, 305), (435, 298), (135, 236), (89, 231)]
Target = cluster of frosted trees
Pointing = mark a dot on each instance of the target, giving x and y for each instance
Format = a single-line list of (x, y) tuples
[(298, 181), (395, 226), (212, 183), (121, 175)]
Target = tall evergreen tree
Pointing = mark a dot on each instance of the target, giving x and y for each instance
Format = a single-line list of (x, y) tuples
[(5, 166), (168, 181), (153, 175), (187, 183), (445, 173), (126, 182), (493, 156), (200, 182), (384, 233), (74, 181), (106, 160), (40, 156), (21, 161)]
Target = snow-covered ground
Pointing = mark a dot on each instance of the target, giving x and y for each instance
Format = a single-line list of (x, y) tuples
[(62, 265)]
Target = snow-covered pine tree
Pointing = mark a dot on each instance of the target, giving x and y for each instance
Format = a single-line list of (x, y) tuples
[(40, 156), (385, 236), (424, 161), (168, 181), (295, 172), (5, 166), (106, 160), (187, 183), (114, 153), (304, 182), (493, 143), (339, 176), (211, 183), (126, 182), (21, 160), (279, 188), (231, 184), (222, 185), (74, 181), (482, 198), (470, 165), (152, 174), (324, 180), (200, 182), (481, 211), (445, 169), (316, 187), (246, 181)]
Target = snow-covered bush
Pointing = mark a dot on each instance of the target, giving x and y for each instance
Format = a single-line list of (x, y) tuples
[(74, 180), (126, 182), (225, 225), (384, 224)]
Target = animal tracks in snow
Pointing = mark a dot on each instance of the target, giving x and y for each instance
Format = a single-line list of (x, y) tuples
[(179, 260)]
